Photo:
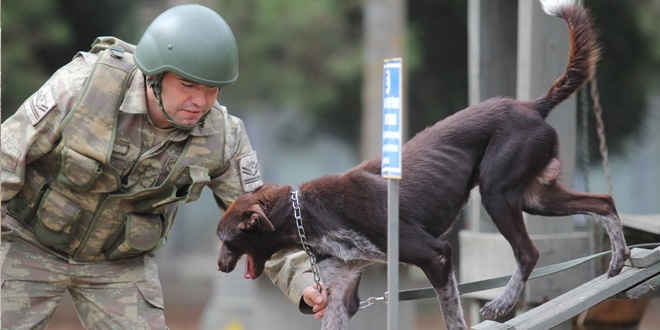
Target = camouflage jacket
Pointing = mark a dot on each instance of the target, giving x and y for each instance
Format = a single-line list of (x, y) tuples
[(81, 168)]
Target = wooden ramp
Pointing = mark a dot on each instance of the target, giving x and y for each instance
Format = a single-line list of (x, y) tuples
[(639, 277)]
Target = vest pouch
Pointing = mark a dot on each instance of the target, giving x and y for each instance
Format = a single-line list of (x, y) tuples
[(77, 171), (24, 204), (56, 220), (137, 235)]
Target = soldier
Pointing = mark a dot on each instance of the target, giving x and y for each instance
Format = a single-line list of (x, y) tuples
[(95, 163)]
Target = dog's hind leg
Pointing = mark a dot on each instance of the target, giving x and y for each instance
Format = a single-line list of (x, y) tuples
[(508, 218), (433, 257), (553, 199), (511, 161)]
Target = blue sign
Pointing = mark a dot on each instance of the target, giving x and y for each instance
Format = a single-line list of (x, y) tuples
[(392, 104)]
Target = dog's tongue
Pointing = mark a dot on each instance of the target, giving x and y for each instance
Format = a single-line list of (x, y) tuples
[(249, 268)]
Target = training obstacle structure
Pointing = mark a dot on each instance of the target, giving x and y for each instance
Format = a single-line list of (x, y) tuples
[(639, 277)]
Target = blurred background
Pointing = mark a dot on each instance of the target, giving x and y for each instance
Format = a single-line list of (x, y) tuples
[(303, 94)]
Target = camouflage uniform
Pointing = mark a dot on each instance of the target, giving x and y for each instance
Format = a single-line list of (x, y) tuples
[(88, 191), (291, 272)]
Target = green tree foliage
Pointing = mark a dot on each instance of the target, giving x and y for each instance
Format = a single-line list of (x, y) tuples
[(40, 36), (28, 32), (302, 54)]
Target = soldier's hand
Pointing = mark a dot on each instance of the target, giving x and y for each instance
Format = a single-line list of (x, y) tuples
[(318, 301)]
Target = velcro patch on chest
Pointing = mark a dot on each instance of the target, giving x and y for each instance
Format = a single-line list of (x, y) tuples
[(250, 173), (38, 106)]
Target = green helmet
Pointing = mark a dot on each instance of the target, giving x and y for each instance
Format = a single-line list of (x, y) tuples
[(191, 41)]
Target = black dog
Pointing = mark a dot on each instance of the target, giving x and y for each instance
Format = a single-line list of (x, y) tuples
[(502, 145)]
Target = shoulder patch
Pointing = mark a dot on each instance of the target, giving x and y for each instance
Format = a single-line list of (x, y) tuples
[(250, 173), (40, 104)]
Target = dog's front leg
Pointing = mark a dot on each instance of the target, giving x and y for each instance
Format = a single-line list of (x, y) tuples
[(341, 280), (450, 303)]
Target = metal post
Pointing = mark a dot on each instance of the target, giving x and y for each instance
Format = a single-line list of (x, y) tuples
[(392, 254), (391, 170)]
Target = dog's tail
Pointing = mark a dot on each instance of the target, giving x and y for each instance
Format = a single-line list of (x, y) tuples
[(583, 55)]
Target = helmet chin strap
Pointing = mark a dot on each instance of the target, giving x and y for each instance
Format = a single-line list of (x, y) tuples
[(155, 82)]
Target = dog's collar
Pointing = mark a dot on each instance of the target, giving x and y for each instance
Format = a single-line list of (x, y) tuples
[(303, 239)]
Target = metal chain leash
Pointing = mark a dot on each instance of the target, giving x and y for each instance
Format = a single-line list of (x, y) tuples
[(373, 300), (312, 258), (303, 239)]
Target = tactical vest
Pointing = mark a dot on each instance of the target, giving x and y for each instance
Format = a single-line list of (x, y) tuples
[(70, 200)]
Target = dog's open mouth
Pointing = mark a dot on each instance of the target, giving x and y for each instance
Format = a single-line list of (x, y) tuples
[(250, 273)]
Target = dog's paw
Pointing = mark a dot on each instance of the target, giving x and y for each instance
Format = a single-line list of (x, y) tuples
[(496, 308), (617, 262), (613, 271)]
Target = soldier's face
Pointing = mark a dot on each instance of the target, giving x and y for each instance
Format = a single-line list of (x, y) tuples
[(186, 102)]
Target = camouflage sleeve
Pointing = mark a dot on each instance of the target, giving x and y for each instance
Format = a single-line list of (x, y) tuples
[(291, 272), (34, 129), (241, 173)]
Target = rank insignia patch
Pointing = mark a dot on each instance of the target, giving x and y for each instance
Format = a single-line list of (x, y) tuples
[(250, 174), (40, 104)]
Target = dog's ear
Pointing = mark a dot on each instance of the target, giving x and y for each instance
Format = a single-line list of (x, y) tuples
[(257, 220)]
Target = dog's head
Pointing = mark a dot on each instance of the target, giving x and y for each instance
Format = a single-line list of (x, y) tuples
[(245, 230)]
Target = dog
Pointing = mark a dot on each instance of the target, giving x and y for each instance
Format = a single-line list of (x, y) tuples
[(502, 145)]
